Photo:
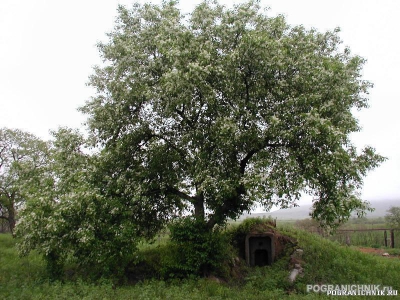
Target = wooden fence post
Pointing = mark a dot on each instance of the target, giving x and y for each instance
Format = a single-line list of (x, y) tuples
[(392, 237), (348, 242), (385, 238)]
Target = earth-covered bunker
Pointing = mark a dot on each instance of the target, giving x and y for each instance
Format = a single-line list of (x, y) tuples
[(260, 249)]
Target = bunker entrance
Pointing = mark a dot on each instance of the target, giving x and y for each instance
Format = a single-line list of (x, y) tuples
[(261, 257), (260, 250)]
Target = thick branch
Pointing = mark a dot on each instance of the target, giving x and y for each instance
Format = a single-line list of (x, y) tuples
[(244, 162), (246, 159), (233, 205), (174, 191)]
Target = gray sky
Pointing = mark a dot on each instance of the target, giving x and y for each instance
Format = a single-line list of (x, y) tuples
[(47, 51)]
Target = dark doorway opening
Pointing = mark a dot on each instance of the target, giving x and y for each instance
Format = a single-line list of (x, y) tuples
[(261, 257), (260, 249)]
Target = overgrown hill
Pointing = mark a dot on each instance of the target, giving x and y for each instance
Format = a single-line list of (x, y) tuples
[(323, 261)]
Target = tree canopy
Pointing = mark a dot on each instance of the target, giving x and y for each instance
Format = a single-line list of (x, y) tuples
[(67, 217), (223, 108), (21, 154), (393, 216)]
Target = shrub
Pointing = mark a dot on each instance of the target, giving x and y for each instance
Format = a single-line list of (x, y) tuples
[(195, 250)]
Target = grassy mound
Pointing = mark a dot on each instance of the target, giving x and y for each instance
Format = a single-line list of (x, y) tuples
[(324, 262)]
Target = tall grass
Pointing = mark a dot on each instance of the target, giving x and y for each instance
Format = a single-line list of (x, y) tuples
[(359, 232), (366, 238)]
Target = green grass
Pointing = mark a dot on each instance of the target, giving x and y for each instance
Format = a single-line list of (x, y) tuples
[(329, 262), (325, 262)]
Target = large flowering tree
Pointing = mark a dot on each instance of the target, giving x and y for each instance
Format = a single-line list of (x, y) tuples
[(208, 113), (222, 108)]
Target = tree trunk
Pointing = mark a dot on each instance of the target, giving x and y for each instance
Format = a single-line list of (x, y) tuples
[(11, 219), (199, 207)]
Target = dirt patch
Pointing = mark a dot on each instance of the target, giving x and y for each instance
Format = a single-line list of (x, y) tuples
[(371, 250), (375, 251)]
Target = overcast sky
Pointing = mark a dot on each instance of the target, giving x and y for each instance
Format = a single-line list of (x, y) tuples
[(47, 51)]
